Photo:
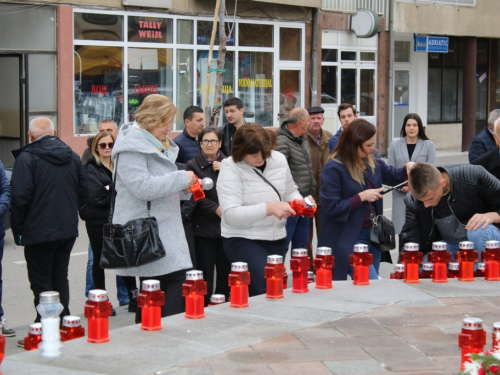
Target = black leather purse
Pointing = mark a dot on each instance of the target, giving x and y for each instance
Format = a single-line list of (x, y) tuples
[(135, 243), (382, 233)]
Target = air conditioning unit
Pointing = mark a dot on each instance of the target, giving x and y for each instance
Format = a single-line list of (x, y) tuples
[(164, 4)]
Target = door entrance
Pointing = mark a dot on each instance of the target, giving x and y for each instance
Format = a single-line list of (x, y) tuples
[(13, 103)]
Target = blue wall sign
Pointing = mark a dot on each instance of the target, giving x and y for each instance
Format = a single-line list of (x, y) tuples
[(436, 44)]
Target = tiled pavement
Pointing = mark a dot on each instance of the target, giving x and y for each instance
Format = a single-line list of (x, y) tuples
[(388, 327)]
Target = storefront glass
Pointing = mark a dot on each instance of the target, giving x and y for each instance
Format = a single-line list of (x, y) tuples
[(98, 87), (150, 29)]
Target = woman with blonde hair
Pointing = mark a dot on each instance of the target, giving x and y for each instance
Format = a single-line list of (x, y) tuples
[(146, 172), (351, 189)]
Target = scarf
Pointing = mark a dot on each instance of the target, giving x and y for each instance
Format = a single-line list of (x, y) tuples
[(161, 146)]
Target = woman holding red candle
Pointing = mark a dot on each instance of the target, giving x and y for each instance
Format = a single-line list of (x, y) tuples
[(351, 189), (253, 187)]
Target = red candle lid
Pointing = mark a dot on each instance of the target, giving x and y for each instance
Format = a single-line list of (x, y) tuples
[(218, 298), (399, 267), (150, 285), (466, 245), (472, 324), (71, 321), (481, 266), (492, 244), (239, 267), (439, 245), (98, 295), (360, 248), (324, 251), (194, 275), (411, 246), (274, 259), (454, 266), (35, 329), (299, 252)]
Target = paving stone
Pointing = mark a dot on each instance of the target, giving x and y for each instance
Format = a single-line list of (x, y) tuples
[(466, 309), (451, 364), (282, 343), (403, 358), (362, 366), (422, 335), (355, 326), (319, 354), (300, 368), (354, 342), (455, 288), (318, 332)]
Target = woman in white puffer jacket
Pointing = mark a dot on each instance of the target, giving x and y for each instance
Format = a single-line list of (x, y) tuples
[(254, 187)]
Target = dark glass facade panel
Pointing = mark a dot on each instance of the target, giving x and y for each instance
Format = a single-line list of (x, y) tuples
[(348, 56), (205, 33), (329, 85), (185, 32), (92, 26), (329, 55), (150, 29), (255, 35), (290, 44)]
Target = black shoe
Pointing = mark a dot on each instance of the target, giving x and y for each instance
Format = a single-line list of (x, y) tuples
[(124, 303), (113, 312), (6, 331), (132, 306), (20, 343)]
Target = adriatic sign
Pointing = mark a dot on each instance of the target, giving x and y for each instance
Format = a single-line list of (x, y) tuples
[(436, 44)]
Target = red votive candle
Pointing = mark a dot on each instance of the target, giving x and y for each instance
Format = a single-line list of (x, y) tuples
[(194, 289), (472, 338), (411, 258), (150, 300), (466, 256), (491, 256), (274, 272), (98, 310), (71, 328), (399, 272), (440, 257), (239, 279), (299, 264), (323, 264), (361, 260)]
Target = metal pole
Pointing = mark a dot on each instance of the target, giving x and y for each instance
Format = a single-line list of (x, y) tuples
[(314, 59), (210, 54), (390, 88)]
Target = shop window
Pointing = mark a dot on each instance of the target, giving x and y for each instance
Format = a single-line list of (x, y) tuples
[(328, 85), (329, 55), (290, 44), (92, 26), (348, 87), (204, 29), (348, 56), (289, 92), (367, 56), (98, 87), (228, 87), (149, 72), (185, 32), (184, 79), (255, 35), (150, 29), (367, 92), (255, 86), (42, 76), (434, 95), (402, 51)]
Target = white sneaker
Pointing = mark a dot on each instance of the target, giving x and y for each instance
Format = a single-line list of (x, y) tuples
[(6, 331)]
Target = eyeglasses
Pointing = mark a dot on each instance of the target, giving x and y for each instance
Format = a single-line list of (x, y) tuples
[(103, 146), (206, 142)]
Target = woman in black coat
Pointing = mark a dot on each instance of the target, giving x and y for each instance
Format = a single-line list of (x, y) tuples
[(95, 211), (206, 217)]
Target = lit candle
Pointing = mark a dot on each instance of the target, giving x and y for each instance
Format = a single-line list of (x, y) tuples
[(274, 272), (98, 310), (49, 309), (361, 260), (71, 328), (440, 257), (299, 264), (472, 338), (491, 256), (411, 258), (466, 256), (150, 300), (399, 271), (239, 279), (323, 264), (194, 289)]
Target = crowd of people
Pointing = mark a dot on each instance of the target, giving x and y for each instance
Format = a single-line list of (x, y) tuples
[(139, 171)]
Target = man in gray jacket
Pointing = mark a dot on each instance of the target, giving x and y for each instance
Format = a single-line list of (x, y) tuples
[(293, 144)]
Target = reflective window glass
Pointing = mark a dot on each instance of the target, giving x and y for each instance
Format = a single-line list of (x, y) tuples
[(184, 73), (290, 44), (290, 92), (434, 95), (328, 85), (149, 72), (97, 86), (255, 86), (402, 51), (348, 90), (42, 88), (348, 55), (329, 55), (205, 33), (366, 56), (367, 92), (93, 26), (185, 31), (255, 35), (150, 29)]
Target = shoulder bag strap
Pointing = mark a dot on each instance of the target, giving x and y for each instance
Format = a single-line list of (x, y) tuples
[(112, 205), (267, 182)]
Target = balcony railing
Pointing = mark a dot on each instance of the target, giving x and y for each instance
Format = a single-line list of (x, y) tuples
[(352, 6)]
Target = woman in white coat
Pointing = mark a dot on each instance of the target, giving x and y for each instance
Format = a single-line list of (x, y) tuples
[(412, 146), (254, 187)]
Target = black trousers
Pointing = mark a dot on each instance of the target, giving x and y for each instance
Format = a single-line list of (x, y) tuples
[(171, 284), (95, 236), (254, 252), (210, 256), (47, 265)]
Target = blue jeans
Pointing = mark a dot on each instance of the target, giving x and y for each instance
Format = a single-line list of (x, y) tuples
[(297, 232), (364, 238), (121, 287)]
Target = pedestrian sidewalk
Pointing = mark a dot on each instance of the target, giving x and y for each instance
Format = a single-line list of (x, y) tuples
[(386, 327)]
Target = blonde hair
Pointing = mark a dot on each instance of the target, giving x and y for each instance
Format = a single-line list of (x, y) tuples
[(156, 111), (95, 143)]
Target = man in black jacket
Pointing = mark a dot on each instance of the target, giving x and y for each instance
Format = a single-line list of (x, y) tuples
[(491, 160), (233, 109), (452, 205), (48, 186)]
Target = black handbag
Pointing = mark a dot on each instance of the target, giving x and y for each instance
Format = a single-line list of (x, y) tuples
[(382, 233), (135, 243)]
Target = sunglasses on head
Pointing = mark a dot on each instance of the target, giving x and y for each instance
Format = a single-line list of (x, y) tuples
[(103, 146)]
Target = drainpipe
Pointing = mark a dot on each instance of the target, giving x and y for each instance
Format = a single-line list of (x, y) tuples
[(314, 59), (390, 94)]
